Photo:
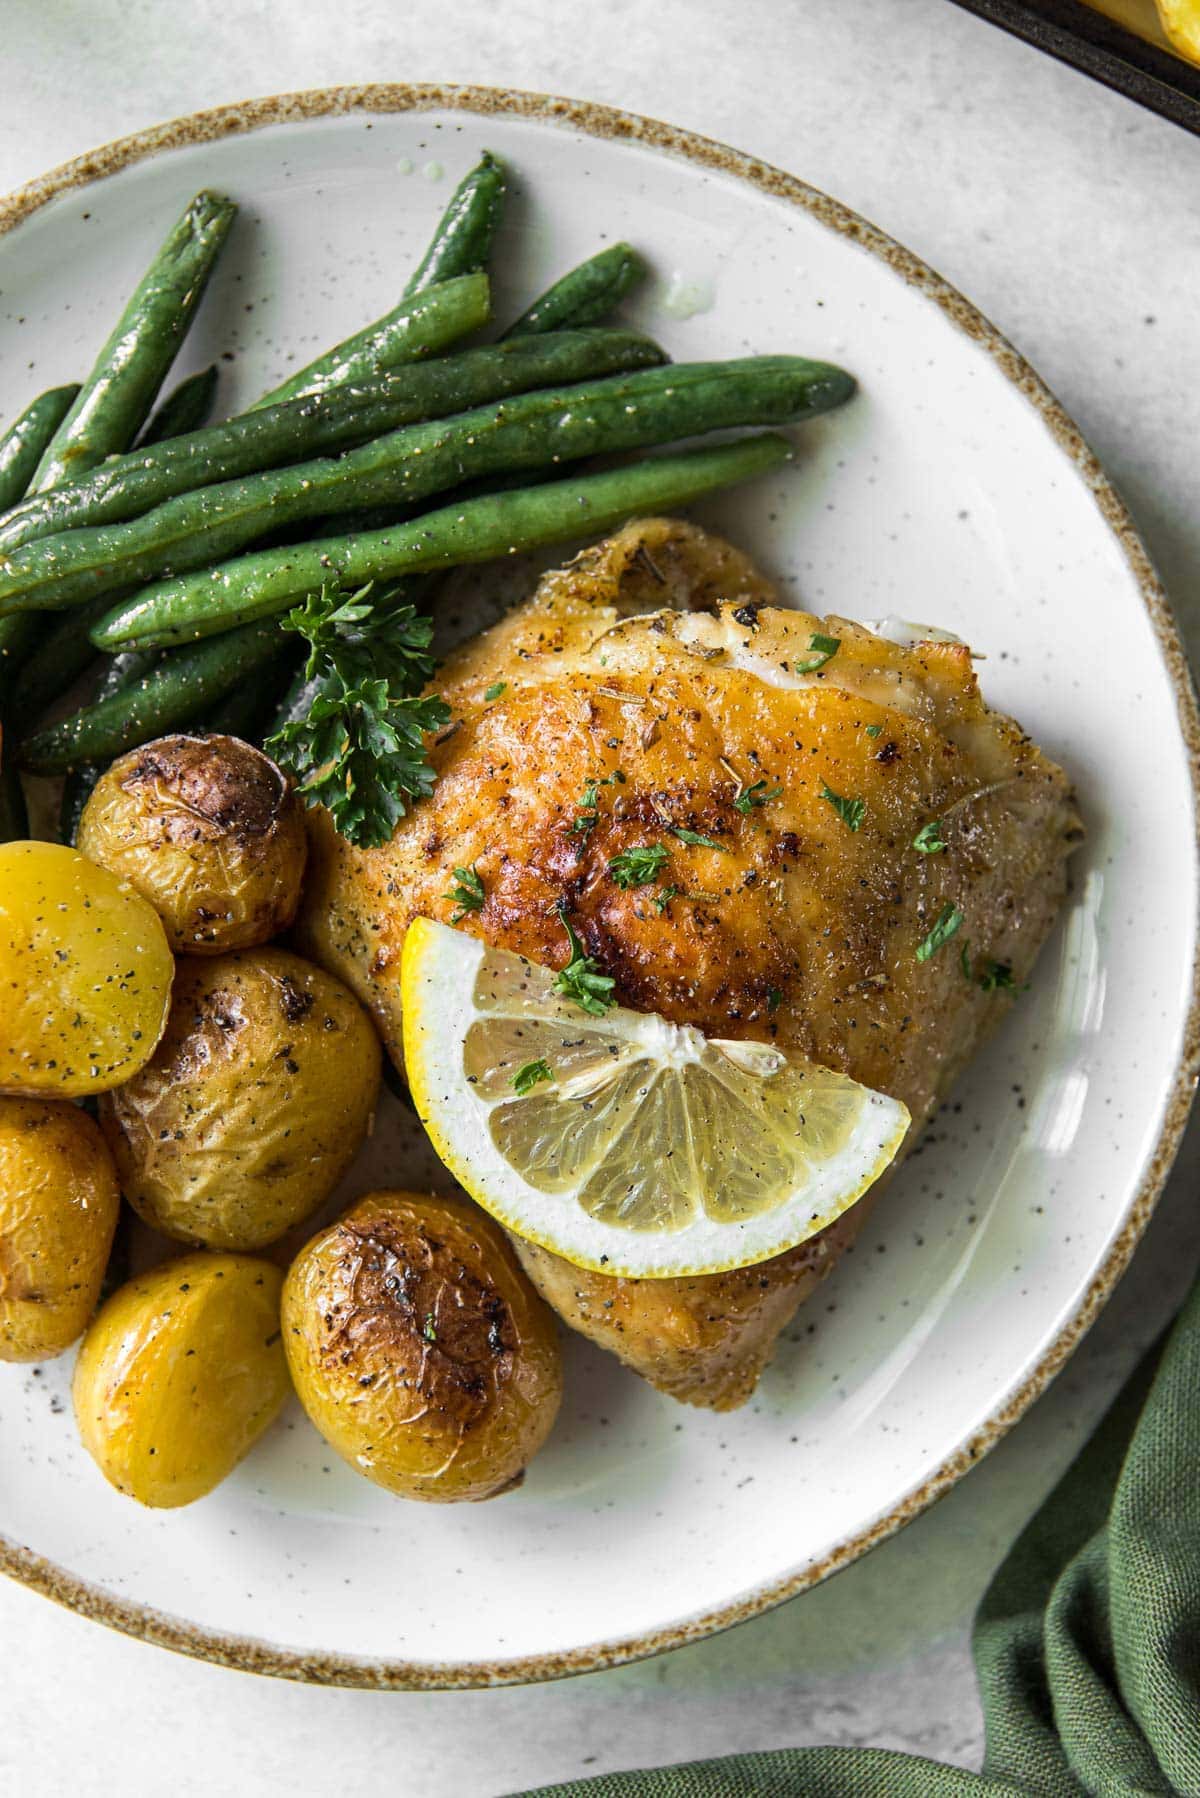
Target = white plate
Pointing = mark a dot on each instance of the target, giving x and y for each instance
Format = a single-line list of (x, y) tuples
[(953, 491)]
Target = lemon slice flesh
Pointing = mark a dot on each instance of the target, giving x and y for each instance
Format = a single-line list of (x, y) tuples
[(637, 1147)]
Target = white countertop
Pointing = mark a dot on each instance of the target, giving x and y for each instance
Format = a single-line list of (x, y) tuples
[(1071, 217)]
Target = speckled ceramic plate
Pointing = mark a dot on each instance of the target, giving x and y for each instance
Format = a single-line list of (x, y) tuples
[(953, 490)]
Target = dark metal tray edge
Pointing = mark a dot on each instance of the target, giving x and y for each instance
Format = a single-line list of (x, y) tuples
[(1075, 34)]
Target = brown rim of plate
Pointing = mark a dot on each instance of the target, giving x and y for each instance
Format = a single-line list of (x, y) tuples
[(603, 121)]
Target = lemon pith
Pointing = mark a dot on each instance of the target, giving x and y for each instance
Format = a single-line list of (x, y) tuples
[(648, 1150)]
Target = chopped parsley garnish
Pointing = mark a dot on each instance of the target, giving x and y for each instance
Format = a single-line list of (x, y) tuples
[(588, 815), (694, 837), (758, 794), (850, 811), (531, 1075), (581, 980), (948, 921), (467, 893), (497, 690), (638, 867), (359, 750), (873, 730), (663, 899), (929, 839), (774, 998), (991, 976), (429, 1328), (824, 649)]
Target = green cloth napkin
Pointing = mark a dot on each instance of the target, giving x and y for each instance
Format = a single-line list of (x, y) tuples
[(1087, 1643)]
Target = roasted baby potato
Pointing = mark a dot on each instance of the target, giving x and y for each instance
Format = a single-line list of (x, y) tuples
[(207, 829), (85, 974), (420, 1350), (179, 1375), (253, 1105), (59, 1201)]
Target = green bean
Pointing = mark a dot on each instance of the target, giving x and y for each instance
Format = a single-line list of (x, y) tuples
[(21, 449), (185, 408), (463, 238), (27, 439), (18, 635), (128, 485), (585, 294), (176, 690), (500, 524), (64, 652), (118, 673), (248, 710), (532, 430), (422, 323), (460, 246), (116, 397), (58, 661)]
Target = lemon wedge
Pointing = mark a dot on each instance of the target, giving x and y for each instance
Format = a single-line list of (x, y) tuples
[(620, 1141)]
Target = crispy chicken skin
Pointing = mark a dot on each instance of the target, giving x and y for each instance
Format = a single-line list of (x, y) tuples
[(661, 653)]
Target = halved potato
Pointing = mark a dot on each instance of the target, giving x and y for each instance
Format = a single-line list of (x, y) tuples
[(58, 1209), (85, 974), (179, 1375)]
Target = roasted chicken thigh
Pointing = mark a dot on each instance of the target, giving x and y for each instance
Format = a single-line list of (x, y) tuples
[(862, 856)]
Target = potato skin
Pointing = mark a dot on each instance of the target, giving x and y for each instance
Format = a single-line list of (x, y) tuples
[(59, 1201), (85, 974), (179, 1374), (253, 1105), (420, 1350), (209, 831)]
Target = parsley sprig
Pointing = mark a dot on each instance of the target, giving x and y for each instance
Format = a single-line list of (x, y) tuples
[(694, 838), (758, 794), (360, 749), (588, 815), (931, 838), (530, 1075), (581, 980), (989, 975), (824, 649), (945, 925), (638, 867), (850, 811), (467, 893)]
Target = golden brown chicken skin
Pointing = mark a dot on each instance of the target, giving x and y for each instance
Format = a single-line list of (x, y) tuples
[(630, 718)]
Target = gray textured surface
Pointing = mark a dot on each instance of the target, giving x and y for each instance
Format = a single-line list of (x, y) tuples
[(1073, 219)]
